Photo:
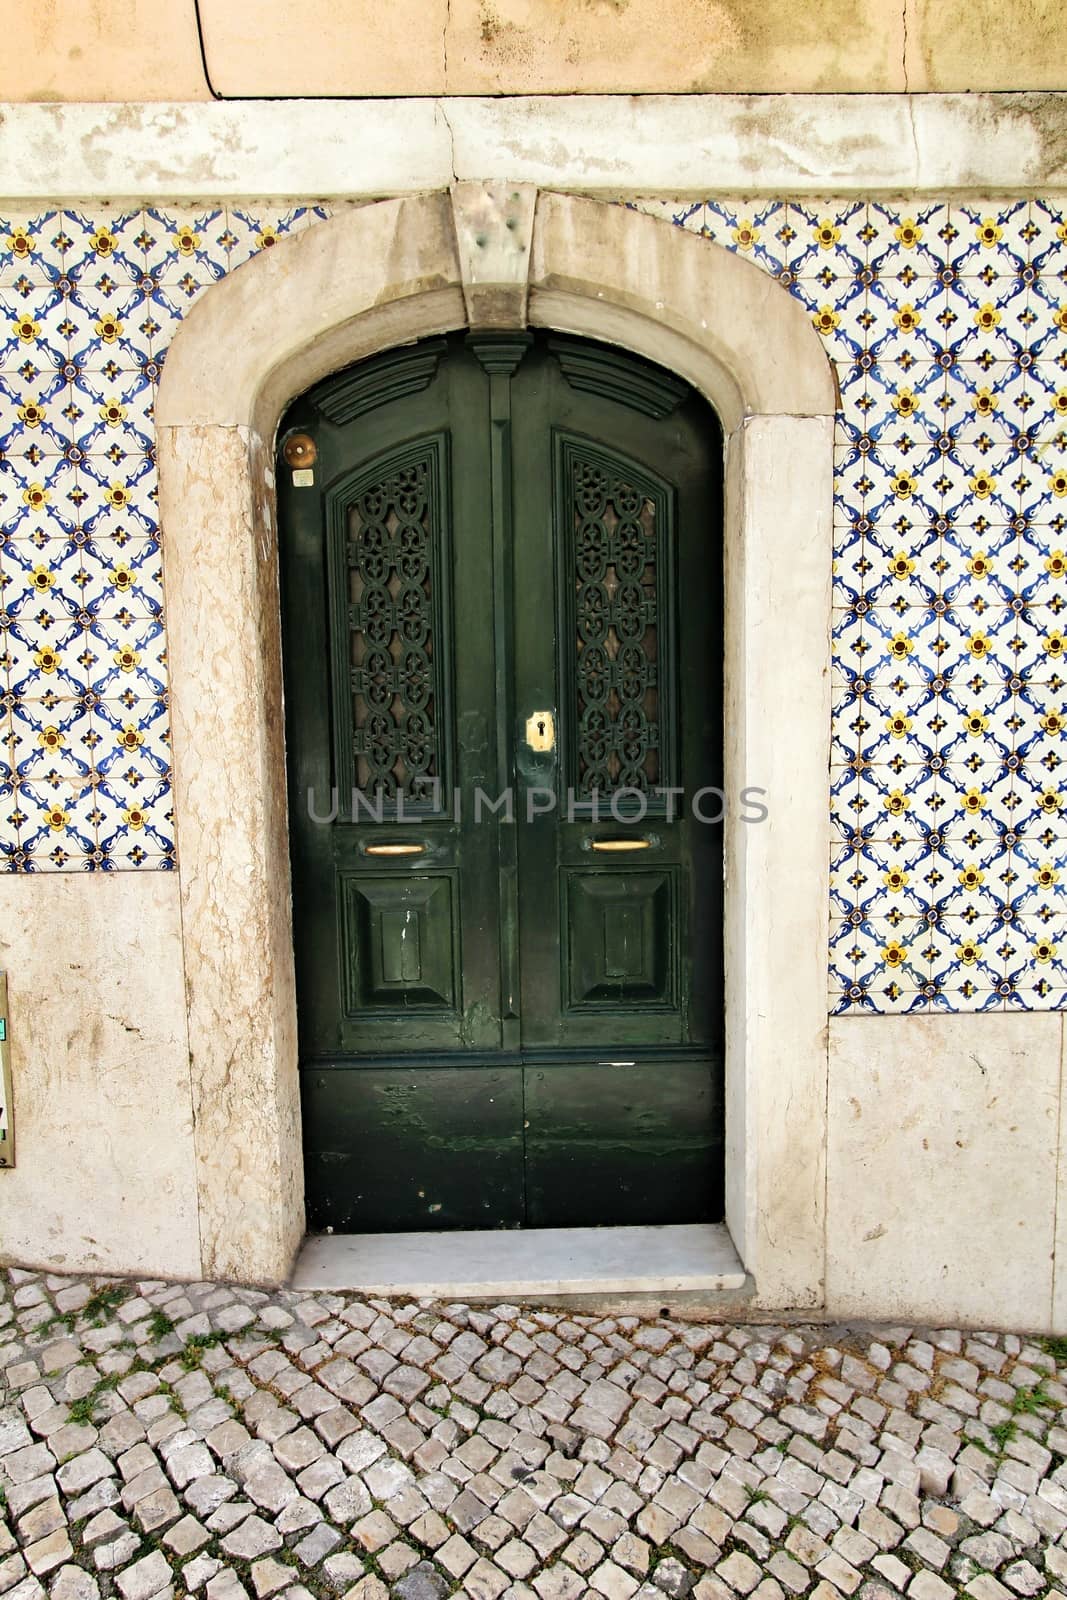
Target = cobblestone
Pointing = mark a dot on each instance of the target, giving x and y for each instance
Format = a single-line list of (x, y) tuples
[(158, 1440)]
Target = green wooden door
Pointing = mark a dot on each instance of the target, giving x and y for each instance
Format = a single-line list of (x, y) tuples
[(501, 579)]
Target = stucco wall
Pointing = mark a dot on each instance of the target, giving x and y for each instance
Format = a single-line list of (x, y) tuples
[(141, 50), (945, 1180), (104, 1122)]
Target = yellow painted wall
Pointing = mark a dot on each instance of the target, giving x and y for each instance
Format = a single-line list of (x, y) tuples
[(150, 49), (100, 50)]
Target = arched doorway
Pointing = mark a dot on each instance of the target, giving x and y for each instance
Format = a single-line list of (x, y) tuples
[(366, 281), (501, 561)]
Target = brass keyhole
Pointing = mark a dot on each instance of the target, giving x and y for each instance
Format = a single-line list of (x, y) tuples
[(541, 731)]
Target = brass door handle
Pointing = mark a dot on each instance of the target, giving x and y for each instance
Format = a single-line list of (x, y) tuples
[(621, 844), (395, 849)]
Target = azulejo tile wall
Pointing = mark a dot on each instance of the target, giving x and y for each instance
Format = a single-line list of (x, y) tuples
[(88, 305), (947, 324)]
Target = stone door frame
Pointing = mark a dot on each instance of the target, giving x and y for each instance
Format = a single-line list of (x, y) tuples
[(380, 275)]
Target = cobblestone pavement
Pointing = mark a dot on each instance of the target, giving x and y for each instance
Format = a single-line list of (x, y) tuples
[(161, 1439)]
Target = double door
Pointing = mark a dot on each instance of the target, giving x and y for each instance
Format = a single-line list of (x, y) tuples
[(501, 578)]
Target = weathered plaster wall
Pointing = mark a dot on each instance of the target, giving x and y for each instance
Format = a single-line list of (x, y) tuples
[(871, 146), (141, 50), (105, 1180), (543, 46), (983, 44), (945, 1173), (101, 50)]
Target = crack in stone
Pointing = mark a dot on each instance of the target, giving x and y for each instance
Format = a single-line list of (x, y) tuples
[(442, 106), (444, 41)]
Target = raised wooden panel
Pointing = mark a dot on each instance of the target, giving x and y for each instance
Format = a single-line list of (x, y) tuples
[(397, 945), (391, 645), (619, 938), (616, 559)]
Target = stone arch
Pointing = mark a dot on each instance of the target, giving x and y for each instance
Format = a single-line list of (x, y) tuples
[(387, 274)]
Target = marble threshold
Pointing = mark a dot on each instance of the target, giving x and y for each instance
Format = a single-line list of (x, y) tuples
[(519, 1263)]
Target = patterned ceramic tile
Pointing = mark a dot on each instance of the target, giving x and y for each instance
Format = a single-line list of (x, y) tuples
[(947, 323), (948, 326)]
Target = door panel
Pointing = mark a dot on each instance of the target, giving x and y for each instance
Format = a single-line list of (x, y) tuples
[(377, 591), (502, 604), (646, 1152), (619, 932), (399, 943), (615, 551), (433, 1146), (389, 574), (628, 503)]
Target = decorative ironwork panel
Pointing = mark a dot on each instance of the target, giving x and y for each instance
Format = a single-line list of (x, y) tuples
[(392, 727), (618, 570)]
